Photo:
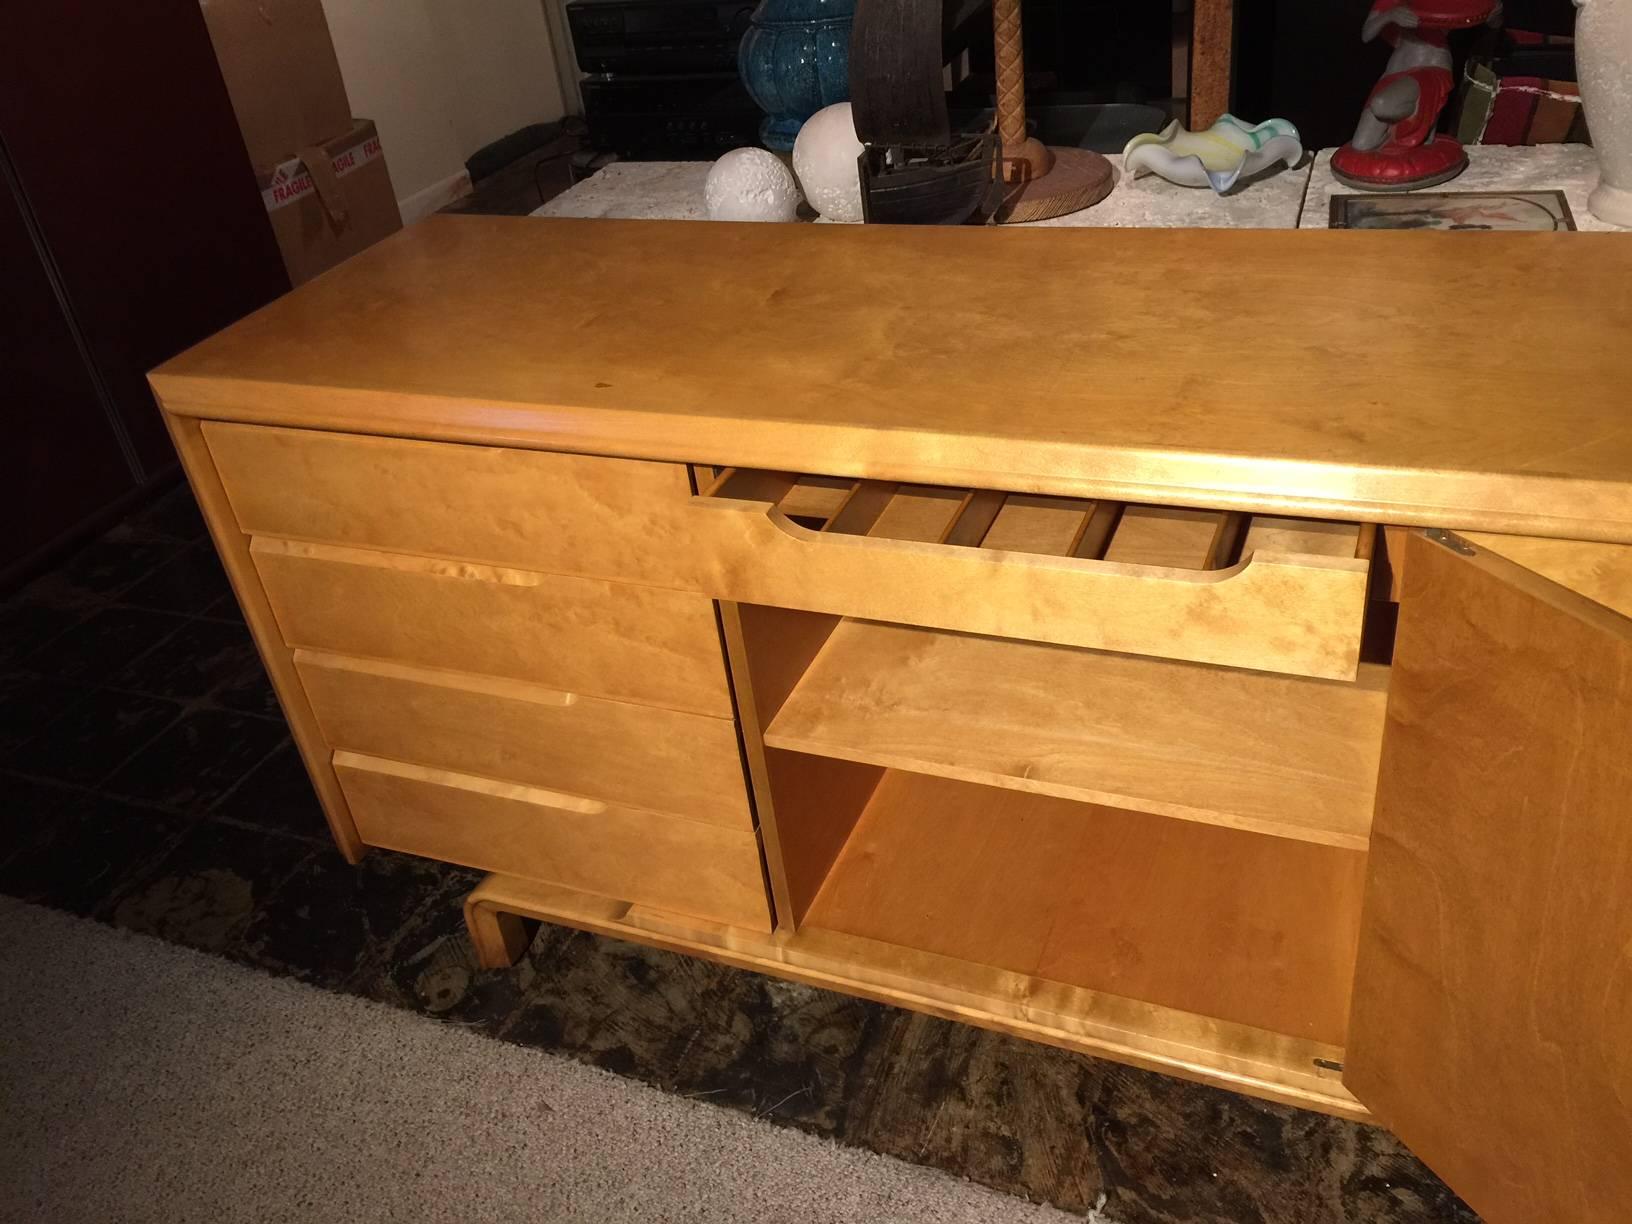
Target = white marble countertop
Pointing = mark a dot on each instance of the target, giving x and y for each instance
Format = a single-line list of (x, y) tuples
[(1570, 168), (1284, 199), (636, 191), (1271, 201), (673, 191)]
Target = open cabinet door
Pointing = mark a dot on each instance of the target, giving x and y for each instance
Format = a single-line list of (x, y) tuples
[(1491, 1027)]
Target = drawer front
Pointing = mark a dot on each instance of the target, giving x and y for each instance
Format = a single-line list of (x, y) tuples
[(537, 510), (579, 635), (631, 855), (1275, 595), (641, 756)]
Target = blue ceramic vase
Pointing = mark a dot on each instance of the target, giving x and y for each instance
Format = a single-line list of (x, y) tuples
[(794, 60)]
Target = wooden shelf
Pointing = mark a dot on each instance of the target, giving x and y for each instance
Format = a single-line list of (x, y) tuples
[(1255, 931), (1283, 755)]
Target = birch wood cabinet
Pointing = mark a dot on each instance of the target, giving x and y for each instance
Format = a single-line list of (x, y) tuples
[(1191, 668)]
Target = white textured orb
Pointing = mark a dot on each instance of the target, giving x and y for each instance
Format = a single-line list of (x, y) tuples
[(824, 158), (751, 185)]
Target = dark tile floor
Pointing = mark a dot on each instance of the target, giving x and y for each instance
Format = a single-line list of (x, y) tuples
[(150, 783)]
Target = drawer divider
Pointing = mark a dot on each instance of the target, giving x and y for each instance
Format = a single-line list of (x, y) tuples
[(1097, 528), (860, 510), (974, 518), (751, 484)]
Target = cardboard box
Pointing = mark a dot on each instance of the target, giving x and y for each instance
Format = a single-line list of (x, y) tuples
[(278, 61), (331, 201)]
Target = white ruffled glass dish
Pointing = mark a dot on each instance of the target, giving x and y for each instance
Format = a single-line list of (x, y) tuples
[(1218, 158)]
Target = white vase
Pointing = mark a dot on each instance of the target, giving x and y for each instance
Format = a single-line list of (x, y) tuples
[(1603, 60)]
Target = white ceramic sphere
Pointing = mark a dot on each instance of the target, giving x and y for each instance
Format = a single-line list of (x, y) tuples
[(751, 185), (824, 158)]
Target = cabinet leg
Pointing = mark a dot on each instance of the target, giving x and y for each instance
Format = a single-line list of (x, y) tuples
[(500, 938)]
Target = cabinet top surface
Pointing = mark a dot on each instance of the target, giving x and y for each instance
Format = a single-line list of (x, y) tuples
[(1464, 380)]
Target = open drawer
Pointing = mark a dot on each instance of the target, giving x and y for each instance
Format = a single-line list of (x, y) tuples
[(1241, 590)]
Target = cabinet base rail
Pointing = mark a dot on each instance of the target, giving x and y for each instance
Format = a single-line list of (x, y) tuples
[(1270, 1066)]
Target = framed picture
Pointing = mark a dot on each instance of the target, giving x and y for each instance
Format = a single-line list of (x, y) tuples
[(1454, 210)]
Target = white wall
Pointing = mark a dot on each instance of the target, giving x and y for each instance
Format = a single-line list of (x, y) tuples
[(566, 63), (442, 78)]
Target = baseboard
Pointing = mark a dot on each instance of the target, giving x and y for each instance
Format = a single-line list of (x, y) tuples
[(437, 196)]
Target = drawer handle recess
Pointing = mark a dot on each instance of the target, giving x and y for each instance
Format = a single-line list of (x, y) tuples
[(535, 795)]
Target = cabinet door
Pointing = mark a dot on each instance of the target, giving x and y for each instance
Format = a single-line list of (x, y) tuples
[(1492, 1019)]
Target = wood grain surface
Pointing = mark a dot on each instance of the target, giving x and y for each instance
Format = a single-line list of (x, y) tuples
[(1222, 369), (1274, 754), (681, 865), (1255, 930), (1076, 179), (806, 806), (1601, 572), (1493, 995), (1310, 537), (895, 73), (233, 546), (1212, 60), (619, 751), (1163, 535), (1295, 614), (578, 635), (1271, 1066), (566, 514), (1025, 523)]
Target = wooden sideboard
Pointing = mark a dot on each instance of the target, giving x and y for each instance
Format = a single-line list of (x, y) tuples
[(1222, 664)]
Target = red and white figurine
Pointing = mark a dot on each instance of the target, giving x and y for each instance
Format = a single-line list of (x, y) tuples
[(1395, 145)]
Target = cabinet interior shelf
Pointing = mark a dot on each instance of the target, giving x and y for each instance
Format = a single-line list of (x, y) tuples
[(1283, 755), (1254, 931), (1190, 948)]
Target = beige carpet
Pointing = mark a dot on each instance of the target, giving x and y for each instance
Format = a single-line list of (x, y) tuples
[(141, 1081)]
